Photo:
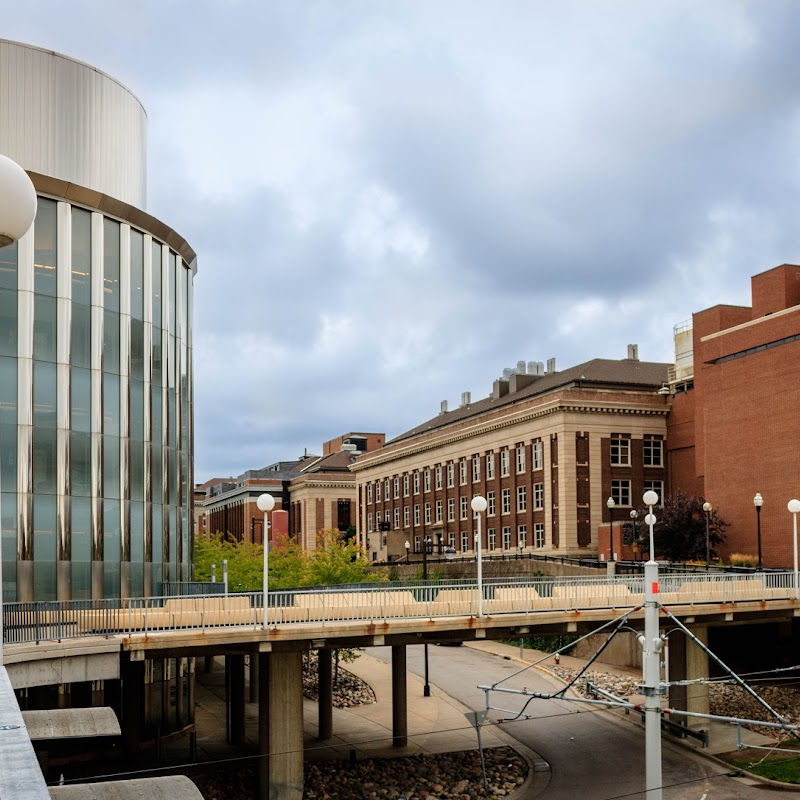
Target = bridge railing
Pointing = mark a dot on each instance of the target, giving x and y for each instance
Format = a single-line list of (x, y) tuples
[(56, 620)]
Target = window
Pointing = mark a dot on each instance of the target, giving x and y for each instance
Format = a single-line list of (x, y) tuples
[(417, 544), (489, 466), (522, 536), (388, 515), (405, 485), (621, 452), (538, 496), (464, 541), (416, 515), (451, 509), (450, 475), (463, 509), (657, 487), (462, 472), (621, 492), (396, 488), (538, 455), (438, 477), (520, 458), (426, 480), (492, 539), (653, 451), (416, 483), (387, 489), (451, 540), (506, 538), (369, 492), (490, 504), (427, 513), (476, 469), (405, 516), (504, 467), (369, 521), (538, 534), (438, 510), (522, 499), (506, 501), (397, 518), (377, 491)]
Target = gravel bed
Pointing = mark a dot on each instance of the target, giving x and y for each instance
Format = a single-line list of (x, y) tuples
[(725, 699), (446, 776), (348, 690)]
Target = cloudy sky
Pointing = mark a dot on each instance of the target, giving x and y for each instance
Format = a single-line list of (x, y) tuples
[(392, 201)]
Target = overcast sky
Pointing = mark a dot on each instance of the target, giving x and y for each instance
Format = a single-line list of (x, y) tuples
[(392, 201)]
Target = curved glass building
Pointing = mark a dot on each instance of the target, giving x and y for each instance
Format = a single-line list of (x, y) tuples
[(95, 347)]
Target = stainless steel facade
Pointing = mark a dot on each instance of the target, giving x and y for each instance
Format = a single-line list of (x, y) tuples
[(65, 119), (95, 352)]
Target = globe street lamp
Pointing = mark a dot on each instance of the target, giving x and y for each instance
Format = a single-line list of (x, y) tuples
[(612, 556), (758, 501), (265, 503), (707, 510), (17, 212), (479, 506), (794, 507)]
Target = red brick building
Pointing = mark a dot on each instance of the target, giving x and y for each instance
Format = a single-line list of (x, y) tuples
[(735, 430)]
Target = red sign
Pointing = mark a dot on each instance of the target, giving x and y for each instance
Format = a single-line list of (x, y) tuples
[(654, 587)]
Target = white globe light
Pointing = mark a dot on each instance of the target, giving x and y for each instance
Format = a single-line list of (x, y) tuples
[(650, 498), (478, 504), (650, 519), (794, 506), (265, 502), (17, 201)]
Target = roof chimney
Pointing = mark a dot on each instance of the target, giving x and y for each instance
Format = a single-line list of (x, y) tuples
[(443, 407), (466, 399), (633, 352), (551, 366)]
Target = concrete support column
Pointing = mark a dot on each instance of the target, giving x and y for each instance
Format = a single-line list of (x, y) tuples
[(688, 662), (325, 678), (235, 667), (263, 725), (166, 669), (180, 688), (253, 657), (285, 727), (399, 697), (132, 677)]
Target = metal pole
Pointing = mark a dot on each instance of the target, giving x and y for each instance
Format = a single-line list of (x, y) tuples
[(480, 568), (758, 519), (708, 542), (612, 554), (225, 575), (652, 644), (426, 691), (796, 585), (265, 537)]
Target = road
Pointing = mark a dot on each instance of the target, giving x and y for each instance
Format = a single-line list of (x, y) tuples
[(592, 755)]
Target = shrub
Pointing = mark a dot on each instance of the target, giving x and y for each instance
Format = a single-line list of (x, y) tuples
[(743, 560)]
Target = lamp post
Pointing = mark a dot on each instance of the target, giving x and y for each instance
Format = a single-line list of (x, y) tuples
[(634, 538), (794, 507), (707, 511), (651, 645), (265, 503), (612, 556), (407, 545), (758, 501), (426, 541), (479, 506), (17, 211)]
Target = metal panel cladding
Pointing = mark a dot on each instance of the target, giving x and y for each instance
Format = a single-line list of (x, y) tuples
[(66, 119)]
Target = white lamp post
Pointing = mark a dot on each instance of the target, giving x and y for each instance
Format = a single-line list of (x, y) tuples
[(651, 644), (479, 506), (794, 507), (17, 211), (612, 556), (265, 503), (758, 501), (707, 512)]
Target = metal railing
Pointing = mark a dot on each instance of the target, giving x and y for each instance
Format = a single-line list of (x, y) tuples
[(57, 620)]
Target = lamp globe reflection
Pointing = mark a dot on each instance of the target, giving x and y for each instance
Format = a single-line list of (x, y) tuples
[(17, 201)]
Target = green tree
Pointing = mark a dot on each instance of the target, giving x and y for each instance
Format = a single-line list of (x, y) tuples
[(680, 529), (245, 562)]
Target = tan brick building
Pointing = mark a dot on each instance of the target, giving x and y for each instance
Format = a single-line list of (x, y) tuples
[(546, 449)]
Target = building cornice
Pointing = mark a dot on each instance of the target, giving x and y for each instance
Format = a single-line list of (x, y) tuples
[(434, 441)]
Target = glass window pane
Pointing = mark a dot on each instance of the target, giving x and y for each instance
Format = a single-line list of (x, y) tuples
[(81, 256), (45, 247), (137, 274), (157, 532), (111, 265), (8, 322), (44, 394), (81, 399), (156, 469), (137, 410), (44, 328), (81, 343), (137, 349), (156, 415), (44, 461), (111, 342), (80, 452), (172, 300), (8, 526), (8, 390), (158, 374), (8, 460), (8, 267), (111, 405), (137, 470), (111, 469), (157, 306)]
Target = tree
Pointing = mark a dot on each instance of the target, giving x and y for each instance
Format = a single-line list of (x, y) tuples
[(245, 562), (680, 529)]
